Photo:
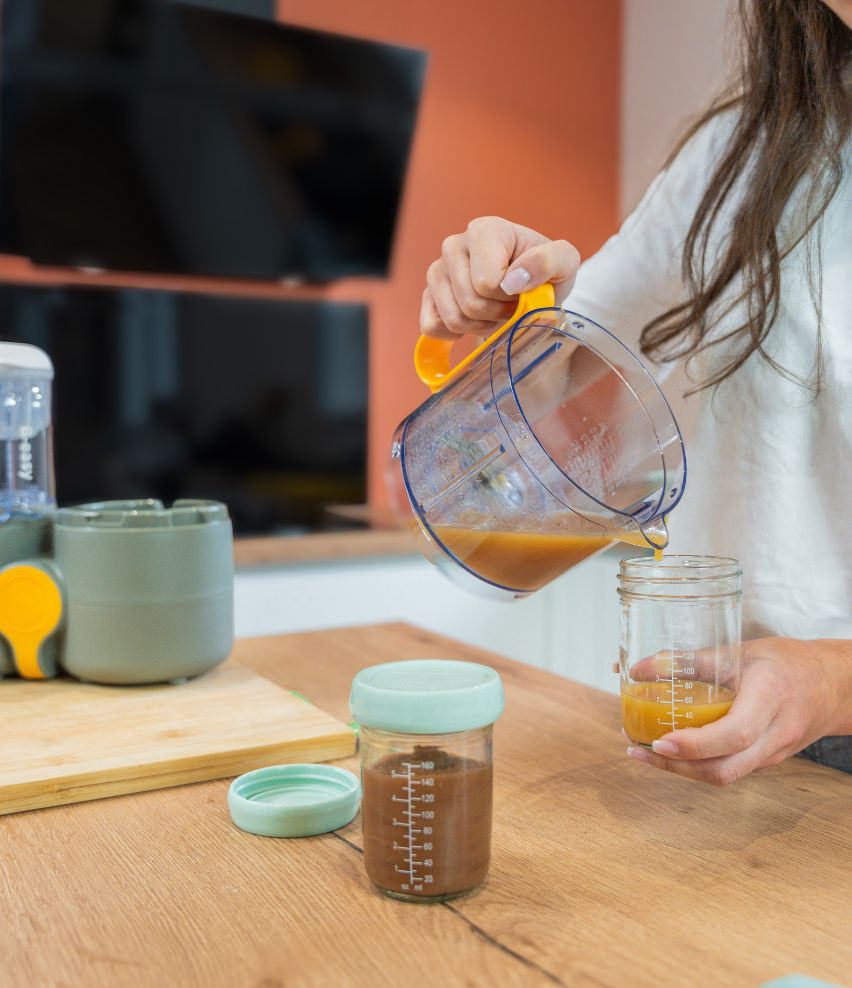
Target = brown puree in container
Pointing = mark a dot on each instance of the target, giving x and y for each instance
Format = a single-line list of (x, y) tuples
[(527, 560), (438, 843)]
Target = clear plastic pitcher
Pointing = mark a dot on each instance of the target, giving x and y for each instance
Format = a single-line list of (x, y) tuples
[(545, 445)]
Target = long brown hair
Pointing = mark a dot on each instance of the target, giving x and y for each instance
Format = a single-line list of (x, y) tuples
[(792, 106)]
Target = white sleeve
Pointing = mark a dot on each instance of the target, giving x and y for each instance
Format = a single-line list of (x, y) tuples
[(636, 275)]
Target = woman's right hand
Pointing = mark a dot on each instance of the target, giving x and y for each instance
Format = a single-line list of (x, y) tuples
[(470, 287)]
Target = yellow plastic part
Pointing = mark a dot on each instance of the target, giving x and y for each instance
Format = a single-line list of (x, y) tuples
[(30, 612), (432, 357)]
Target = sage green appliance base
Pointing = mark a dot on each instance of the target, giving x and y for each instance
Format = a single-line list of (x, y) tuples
[(149, 589)]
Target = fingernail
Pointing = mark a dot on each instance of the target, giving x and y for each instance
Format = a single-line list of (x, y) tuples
[(640, 754), (664, 747), (516, 281)]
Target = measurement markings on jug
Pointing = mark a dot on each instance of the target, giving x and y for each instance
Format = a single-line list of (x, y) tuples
[(411, 863)]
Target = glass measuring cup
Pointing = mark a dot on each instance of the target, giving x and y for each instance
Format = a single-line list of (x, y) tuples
[(545, 445), (426, 775), (679, 659)]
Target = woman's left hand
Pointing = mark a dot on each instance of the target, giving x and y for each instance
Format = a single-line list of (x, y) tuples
[(791, 693)]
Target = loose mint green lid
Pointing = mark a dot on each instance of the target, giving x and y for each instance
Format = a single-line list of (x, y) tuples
[(294, 800), (426, 696)]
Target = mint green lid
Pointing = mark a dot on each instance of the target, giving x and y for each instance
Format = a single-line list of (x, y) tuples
[(294, 800), (426, 696)]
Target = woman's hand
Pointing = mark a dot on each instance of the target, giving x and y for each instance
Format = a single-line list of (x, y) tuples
[(791, 693), (470, 287)]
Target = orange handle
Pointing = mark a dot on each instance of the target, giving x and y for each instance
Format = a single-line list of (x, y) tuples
[(31, 609), (432, 357)]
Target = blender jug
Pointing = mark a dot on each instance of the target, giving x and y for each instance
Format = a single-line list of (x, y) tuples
[(27, 498), (545, 445)]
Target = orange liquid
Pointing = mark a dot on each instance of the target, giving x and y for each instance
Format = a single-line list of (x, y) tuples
[(524, 560), (648, 713)]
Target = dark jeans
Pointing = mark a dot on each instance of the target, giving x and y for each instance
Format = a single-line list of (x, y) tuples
[(835, 752)]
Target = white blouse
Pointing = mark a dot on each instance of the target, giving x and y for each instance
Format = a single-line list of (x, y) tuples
[(769, 465)]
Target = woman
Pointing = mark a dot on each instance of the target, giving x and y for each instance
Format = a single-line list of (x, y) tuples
[(738, 261)]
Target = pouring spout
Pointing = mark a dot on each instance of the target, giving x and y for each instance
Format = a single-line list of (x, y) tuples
[(656, 533)]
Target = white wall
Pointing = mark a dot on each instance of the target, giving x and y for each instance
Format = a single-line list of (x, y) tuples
[(674, 62), (570, 627)]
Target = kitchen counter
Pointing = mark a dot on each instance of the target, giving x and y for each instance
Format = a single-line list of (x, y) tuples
[(321, 547), (604, 873), (375, 532)]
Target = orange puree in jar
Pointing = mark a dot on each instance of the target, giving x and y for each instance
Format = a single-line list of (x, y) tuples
[(650, 710)]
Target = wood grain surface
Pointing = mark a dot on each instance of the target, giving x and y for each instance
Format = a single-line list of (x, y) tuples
[(605, 873), (65, 742)]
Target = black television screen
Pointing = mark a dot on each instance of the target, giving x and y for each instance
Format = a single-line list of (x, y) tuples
[(261, 404), (147, 135)]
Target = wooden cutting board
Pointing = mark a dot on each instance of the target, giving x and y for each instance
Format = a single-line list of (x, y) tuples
[(64, 742)]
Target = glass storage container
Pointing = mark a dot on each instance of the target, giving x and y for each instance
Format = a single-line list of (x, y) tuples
[(680, 642), (427, 775)]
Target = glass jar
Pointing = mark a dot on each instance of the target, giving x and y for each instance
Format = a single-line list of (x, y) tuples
[(679, 659), (427, 775)]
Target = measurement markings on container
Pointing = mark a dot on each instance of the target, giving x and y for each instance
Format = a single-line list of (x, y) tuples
[(681, 664), (411, 866)]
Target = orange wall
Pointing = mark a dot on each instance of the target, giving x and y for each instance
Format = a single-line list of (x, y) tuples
[(520, 117)]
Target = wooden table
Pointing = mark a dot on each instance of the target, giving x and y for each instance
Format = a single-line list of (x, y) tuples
[(605, 872)]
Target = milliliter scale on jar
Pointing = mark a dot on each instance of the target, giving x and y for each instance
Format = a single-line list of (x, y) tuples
[(416, 809), (677, 685)]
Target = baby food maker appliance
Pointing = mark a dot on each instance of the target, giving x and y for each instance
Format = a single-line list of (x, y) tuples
[(118, 592), (545, 445)]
